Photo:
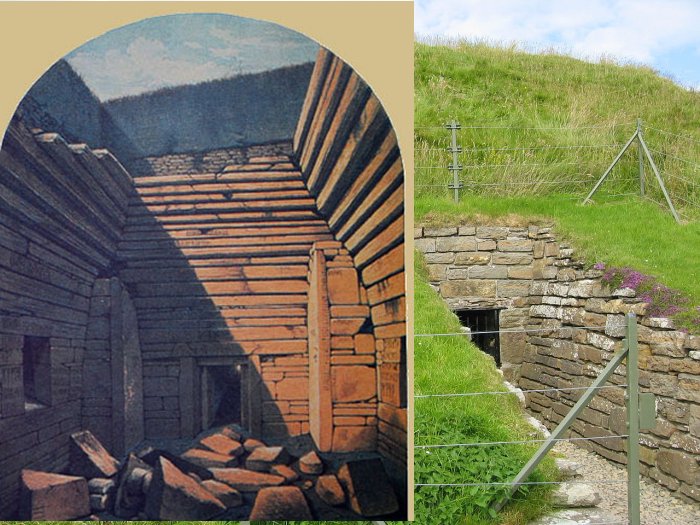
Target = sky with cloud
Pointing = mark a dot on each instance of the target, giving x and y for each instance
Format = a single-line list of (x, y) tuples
[(663, 34), (185, 49)]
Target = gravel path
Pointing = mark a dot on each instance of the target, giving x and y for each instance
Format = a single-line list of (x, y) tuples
[(658, 507)]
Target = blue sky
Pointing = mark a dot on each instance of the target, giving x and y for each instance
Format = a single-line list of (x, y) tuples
[(185, 49), (662, 34)]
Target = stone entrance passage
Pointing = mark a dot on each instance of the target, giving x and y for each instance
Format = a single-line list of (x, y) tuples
[(221, 395), (483, 321), (561, 324)]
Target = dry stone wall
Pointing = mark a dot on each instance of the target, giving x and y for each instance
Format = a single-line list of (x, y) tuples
[(349, 157), (537, 284), (342, 357), (217, 265), (62, 208), (212, 161)]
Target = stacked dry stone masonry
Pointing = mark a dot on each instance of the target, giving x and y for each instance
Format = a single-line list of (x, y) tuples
[(535, 283), (62, 209), (356, 179)]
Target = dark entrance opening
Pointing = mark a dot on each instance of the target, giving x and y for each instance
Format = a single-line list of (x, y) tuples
[(483, 321), (36, 372), (221, 388)]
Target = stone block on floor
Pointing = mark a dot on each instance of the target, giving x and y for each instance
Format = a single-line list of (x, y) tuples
[(130, 494), (251, 444), (174, 495), (246, 480), (368, 488), (329, 490), (88, 458), (262, 458), (281, 503), (310, 463), (56, 497), (288, 473), (227, 495), (222, 444), (209, 459)]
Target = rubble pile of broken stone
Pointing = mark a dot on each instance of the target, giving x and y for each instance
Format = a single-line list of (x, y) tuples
[(224, 474)]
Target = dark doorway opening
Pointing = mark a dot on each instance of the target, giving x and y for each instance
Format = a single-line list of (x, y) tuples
[(36, 372), (221, 399), (481, 321)]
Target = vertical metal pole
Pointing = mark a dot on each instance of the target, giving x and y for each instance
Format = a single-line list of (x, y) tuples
[(632, 421), (455, 159), (641, 157)]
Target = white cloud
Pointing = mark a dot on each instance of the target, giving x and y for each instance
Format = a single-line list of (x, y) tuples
[(225, 52), (145, 65), (637, 30), (235, 40)]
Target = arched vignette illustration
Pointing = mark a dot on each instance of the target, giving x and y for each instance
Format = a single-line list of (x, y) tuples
[(222, 256)]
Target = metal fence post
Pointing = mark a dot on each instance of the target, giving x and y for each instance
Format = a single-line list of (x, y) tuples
[(641, 157), (564, 424), (455, 167), (632, 421)]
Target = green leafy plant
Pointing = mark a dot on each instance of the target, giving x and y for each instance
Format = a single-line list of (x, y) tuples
[(455, 365)]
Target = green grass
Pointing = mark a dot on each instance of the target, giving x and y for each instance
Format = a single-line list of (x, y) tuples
[(454, 365), (592, 106)]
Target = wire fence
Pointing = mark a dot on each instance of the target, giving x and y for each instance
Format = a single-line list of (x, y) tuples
[(506, 160), (429, 447)]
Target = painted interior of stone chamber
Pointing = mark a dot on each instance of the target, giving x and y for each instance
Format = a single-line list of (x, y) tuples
[(88, 263)]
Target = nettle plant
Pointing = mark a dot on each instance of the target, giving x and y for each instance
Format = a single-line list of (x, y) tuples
[(662, 300)]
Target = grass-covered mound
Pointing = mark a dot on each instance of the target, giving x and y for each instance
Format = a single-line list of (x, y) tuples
[(572, 116)]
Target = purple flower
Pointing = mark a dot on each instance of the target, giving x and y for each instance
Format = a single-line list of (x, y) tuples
[(662, 301), (633, 279), (599, 266)]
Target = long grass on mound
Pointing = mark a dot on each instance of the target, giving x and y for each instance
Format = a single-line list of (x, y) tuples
[(547, 123)]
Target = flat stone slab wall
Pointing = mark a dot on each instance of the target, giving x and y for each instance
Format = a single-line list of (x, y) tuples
[(212, 161), (577, 325)]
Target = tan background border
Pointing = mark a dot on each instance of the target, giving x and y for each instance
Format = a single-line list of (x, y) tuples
[(375, 38)]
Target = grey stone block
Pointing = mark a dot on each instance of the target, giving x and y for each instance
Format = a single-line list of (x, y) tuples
[(491, 232), (425, 245), (440, 258), (468, 288), (439, 232), (515, 245), (455, 244), (471, 258), (511, 258), (488, 272)]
